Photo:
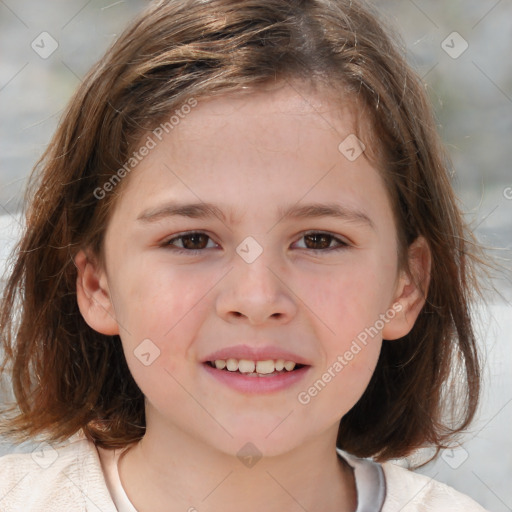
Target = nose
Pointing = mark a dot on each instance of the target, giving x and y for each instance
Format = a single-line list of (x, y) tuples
[(256, 293)]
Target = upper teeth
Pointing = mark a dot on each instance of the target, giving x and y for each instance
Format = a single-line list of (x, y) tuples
[(247, 366)]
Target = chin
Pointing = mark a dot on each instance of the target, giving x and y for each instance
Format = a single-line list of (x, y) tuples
[(259, 440)]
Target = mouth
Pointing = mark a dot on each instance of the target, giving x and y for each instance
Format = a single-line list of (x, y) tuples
[(256, 370), (251, 368)]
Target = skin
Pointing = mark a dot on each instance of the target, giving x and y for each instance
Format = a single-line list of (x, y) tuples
[(249, 155)]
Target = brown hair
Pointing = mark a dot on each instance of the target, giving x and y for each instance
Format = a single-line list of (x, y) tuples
[(67, 377)]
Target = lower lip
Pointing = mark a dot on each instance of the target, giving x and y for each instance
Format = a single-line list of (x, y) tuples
[(247, 384)]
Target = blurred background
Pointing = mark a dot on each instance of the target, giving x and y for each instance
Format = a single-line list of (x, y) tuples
[(461, 49)]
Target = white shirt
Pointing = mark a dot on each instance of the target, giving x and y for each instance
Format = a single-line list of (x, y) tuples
[(71, 478), (369, 477)]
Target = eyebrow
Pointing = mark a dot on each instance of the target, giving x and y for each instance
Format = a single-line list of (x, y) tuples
[(208, 210)]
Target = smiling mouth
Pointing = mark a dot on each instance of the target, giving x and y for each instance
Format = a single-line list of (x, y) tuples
[(249, 368)]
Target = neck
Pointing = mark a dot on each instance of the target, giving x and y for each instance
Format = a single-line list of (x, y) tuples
[(169, 471)]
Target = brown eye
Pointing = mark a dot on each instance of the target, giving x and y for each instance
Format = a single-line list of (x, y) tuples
[(195, 241), (189, 242), (317, 241)]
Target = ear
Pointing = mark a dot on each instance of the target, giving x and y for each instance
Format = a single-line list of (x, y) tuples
[(411, 291), (93, 295)]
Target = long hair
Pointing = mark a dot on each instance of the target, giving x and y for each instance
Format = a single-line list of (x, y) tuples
[(67, 377)]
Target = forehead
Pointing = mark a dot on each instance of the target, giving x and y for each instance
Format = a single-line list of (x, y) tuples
[(258, 109), (286, 142), (292, 118)]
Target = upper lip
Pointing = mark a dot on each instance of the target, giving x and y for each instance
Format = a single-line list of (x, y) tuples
[(255, 354)]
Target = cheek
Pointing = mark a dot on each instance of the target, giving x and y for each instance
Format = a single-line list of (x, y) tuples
[(349, 302), (350, 307), (163, 305), (349, 298), (158, 294), (161, 311), (357, 309)]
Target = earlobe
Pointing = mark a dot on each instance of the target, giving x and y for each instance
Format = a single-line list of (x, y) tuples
[(412, 290), (93, 295)]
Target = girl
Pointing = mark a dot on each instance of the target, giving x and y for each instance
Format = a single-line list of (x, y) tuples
[(244, 281)]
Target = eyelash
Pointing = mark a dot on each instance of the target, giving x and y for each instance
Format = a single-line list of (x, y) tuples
[(168, 243)]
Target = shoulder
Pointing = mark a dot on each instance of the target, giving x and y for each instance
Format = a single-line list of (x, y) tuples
[(63, 477), (412, 492)]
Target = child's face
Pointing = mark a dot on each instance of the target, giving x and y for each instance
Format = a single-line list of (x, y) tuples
[(253, 158)]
